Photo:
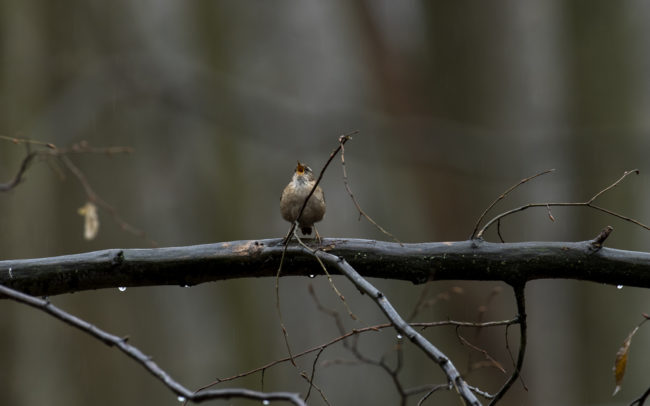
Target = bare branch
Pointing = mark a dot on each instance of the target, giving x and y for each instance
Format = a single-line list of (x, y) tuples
[(144, 360), (521, 315), (4, 187), (310, 379), (93, 197), (354, 200), (53, 155), (512, 263), (503, 195), (548, 205), (400, 325)]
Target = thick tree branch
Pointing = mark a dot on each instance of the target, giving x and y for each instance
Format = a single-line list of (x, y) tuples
[(513, 263)]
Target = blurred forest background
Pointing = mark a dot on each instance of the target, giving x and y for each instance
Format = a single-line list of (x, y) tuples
[(454, 101)]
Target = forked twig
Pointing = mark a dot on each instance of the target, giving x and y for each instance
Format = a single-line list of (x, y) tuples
[(588, 203), (401, 325), (310, 378), (503, 195), (353, 333), (53, 154)]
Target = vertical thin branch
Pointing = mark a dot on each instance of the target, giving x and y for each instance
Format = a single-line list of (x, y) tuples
[(354, 200), (521, 315), (342, 140)]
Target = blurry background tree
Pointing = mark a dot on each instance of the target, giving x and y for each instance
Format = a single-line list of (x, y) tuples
[(454, 103)]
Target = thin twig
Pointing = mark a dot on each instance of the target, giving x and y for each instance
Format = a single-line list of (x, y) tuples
[(313, 373), (329, 277), (588, 203), (285, 333), (487, 356), (354, 200), (24, 165), (93, 197), (402, 326), (640, 401), (27, 141), (53, 154), (342, 140), (318, 389), (523, 329), (432, 391), (613, 185), (503, 195), (355, 333)]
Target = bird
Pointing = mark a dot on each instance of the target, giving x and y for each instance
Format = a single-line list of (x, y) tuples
[(294, 195)]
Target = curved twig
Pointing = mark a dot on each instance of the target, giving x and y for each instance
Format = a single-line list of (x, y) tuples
[(521, 316), (503, 195), (4, 187), (354, 199), (587, 203), (342, 140)]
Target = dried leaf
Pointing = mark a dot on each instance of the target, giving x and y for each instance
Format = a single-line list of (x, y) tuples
[(91, 220), (621, 361)]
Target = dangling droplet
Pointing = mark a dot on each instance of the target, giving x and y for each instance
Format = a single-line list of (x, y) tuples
[(619, 286), (181, 398), (399, 337), (122, 288), (312, 276), (266, 402)]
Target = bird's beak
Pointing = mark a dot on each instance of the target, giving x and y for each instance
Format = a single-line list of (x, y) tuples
[(300, 169)]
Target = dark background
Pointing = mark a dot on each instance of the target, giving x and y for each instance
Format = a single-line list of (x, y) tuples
[(454, 101)]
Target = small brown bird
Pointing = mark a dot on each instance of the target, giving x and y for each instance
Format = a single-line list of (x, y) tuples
[(294, 196)]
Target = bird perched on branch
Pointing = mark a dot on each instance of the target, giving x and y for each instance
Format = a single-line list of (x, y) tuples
[(294, 196)]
